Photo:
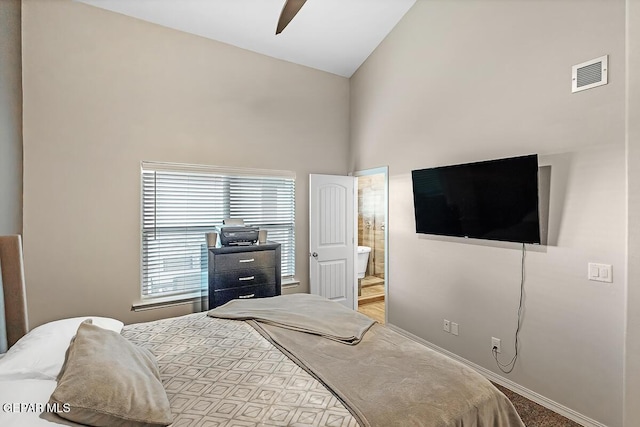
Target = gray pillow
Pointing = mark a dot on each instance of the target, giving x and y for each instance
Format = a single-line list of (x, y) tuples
[(108, 381)]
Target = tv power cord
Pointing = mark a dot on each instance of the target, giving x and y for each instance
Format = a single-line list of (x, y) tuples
[(508, 367)]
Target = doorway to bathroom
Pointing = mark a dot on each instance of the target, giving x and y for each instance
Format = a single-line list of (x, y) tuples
[(372, 242)]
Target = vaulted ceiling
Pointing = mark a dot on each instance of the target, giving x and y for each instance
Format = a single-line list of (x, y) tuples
[(335, 36)]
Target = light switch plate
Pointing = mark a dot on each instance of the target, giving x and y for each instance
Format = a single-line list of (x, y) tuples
[(600, 272)]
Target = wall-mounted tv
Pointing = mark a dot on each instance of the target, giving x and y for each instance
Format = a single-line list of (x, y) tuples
[(494, 200)]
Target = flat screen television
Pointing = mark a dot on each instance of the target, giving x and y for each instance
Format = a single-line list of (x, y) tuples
[(494, 200)]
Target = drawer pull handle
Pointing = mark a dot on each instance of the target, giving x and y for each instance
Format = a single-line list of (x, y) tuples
[(247, 278), (247, 296), (247, 260)]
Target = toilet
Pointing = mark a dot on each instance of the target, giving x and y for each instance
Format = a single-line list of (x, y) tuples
[(363, 260)]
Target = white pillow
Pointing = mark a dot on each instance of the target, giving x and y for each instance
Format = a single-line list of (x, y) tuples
[(23, 403), (40, 354)]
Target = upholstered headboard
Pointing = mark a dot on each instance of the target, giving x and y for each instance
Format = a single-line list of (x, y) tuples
[(13, 301)]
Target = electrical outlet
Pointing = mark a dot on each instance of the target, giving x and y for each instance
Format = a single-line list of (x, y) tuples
[(446, 326), (495, 343), (454, 328)]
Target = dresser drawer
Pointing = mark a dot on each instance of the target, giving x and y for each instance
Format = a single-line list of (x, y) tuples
[(243, 260), (251, 271), (244, 277), (245, 292)]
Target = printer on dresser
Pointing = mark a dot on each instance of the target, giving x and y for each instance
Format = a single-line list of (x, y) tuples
[(243, 271)]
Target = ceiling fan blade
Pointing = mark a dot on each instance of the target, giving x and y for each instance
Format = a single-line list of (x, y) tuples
[(290, 9)]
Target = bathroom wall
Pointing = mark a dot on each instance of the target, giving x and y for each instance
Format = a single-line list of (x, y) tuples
[(372, 220)]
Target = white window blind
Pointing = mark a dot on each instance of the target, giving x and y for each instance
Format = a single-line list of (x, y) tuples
[(180, 203)]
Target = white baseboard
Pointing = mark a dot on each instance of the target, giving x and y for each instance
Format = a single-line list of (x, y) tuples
[(492, 376)]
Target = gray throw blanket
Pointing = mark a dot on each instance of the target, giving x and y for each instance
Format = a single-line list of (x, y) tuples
[(312, 314), (389, 380)]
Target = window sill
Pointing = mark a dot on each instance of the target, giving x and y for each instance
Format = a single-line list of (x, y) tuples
[(290, 283), (169, 301)]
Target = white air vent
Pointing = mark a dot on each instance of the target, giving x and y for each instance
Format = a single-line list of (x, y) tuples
[(589, 74)]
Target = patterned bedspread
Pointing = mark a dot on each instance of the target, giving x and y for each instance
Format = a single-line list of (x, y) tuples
[(223, 373)]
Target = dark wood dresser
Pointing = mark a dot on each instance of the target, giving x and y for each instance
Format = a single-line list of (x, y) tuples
[(251, 271)]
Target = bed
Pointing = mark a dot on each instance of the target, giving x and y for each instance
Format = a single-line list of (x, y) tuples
[(283, 361)]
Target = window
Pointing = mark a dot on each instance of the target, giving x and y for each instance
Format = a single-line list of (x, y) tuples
[(180, 203)]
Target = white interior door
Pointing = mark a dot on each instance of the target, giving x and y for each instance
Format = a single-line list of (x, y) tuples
[(332, 238)]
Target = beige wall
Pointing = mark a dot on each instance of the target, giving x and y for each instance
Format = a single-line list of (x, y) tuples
[(103, 92), (10, 118), (632, 365), (473, 80)]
